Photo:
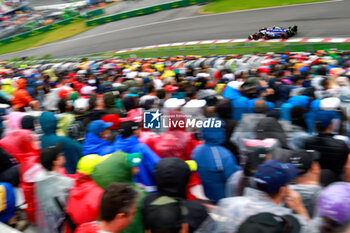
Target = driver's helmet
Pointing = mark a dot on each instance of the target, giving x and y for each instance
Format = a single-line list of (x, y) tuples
[(278, 28)]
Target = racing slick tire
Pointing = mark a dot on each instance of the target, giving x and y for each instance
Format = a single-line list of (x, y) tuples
[(255, 37), (284, 36)]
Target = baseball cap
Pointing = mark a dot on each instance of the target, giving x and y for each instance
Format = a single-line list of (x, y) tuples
[(323, 119), (112, 118), (134, 159), (50, 154), (127, 128), (268, 222), (303, 160), (334, 202), (272, 175), (98, 126)]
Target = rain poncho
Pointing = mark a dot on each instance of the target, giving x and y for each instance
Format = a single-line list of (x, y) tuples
[(116, 169), (49, 215), (150, 159), (95, 145), (20, 144), (215, 163), (21, 97), (72, 149)]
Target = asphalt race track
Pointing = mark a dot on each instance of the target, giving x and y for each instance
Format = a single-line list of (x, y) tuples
[(328, 19)]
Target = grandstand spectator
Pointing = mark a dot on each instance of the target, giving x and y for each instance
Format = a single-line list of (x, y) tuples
[(272, 179), (215, 163), (333, 209), (118, 207), (24, 147), (128, 142), (97, 139), (71, 148), (109, 103), (308, 179), (334, 152), (172, 176), (22, 99), (51, 189), (246, 127), (254, 153), (121, 167), (224, 111), (298, 133), (83, 191)]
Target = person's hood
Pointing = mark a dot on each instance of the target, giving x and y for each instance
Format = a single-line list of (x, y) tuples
[(171, 176), (14, 120), (115, 166), (20, 144), (21, 83), (224, 109), (269, 127), (108, 100), (48, 122), (214, 136), (95, 145), (126, 144)]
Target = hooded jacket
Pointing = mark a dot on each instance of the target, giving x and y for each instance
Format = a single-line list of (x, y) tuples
[(150, 159), (81, 194), (172, 176), (72, 150), (334, 152), (20, 144), (108, 100), (215, 163), (95, 145), (239, 103), (269, 127), (224, 110), (21, 97), (116, 169), (49, 215), (13, 121)]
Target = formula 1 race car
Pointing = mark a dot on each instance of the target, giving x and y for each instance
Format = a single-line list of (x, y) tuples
[(274, 32)]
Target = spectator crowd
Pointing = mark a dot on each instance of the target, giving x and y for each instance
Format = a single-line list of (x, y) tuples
[(76, 154)]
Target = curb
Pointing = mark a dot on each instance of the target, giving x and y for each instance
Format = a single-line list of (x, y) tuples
[(302, 40)]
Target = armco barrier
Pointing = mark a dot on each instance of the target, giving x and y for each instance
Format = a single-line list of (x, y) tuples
[(143, 11), (95, 13), (40, 30)]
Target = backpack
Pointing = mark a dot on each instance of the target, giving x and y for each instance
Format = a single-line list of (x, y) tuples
[(76, 130)]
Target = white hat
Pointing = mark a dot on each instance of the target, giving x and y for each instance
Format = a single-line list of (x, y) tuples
[(81, 103), (235, 84), (174, 103), (86, 90)]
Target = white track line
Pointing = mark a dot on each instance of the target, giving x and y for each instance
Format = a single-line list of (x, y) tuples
[(312, 40)]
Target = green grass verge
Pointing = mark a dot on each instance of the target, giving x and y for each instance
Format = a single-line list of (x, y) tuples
[(48, 37), (231, 48), (219, 6), (214, 49)]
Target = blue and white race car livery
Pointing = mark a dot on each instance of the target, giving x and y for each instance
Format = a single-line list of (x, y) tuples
[(274, 32)]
